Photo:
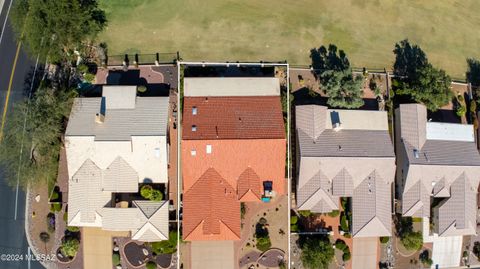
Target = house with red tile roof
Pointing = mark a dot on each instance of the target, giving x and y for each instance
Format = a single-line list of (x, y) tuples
[(233, 150)]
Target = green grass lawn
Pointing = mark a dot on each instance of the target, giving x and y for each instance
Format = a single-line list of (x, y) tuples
[(448, 30)]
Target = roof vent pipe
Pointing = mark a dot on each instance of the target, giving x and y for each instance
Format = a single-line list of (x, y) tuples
[(336, 126), (99, 118), (415, 153)]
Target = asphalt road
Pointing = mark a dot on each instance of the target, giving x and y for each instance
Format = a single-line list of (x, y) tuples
[(16, 73)]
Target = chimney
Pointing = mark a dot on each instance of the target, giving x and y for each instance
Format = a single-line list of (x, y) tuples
[(99, 118)]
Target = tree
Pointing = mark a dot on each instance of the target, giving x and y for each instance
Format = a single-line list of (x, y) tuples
[(31, 141), (342, 88), (69, 247), (263, 243), (417, 78), (57, 28), (151, 265), (473, 72), (425, 258), (156, 196), (476, 249), (384, 239), (336, 77), (317, 253), (115, 259), (166, 246), (146, 191), (412, 240), (409, 59)]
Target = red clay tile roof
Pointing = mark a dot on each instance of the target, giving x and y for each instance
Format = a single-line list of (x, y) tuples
[(243, 117), (211, 209), (230, 158), (249, 188)]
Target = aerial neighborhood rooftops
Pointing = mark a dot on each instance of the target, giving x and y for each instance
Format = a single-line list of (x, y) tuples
[(113, 144), (233, 150), (440, 161), (346, 153)]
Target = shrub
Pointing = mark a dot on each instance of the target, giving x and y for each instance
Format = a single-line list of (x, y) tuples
[(473, 106), (116, 259), (460, 98), (461, 110), (55, 196), (262, 221), (293, 220), (73, 229), (55, 207), (88, 77), (425, 259), (263, 243), (51, 222), (384, 239), (151, 265), (305, 213), (476, 249), (82, 68), (334, 213), (340, 244), (141, 89), (146, 191), (69, 247), (343, 223), (346, 255), (412, 240), (156, 196), (166, 246), (65, 216), (44, 237)]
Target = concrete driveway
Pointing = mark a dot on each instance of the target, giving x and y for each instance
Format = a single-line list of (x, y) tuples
[(212, 255), (365, 253)]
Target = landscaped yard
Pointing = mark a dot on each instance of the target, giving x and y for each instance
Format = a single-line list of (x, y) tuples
[(287, 30)]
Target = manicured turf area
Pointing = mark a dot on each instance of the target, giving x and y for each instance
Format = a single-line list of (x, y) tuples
[(448, 30)]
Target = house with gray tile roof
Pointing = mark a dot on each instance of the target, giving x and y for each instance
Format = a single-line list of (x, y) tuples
[(438, 171), (113, 144), (346, 153)]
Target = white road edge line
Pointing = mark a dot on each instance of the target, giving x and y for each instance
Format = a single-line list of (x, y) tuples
[(5, 22), (28, 258), (23, 134)]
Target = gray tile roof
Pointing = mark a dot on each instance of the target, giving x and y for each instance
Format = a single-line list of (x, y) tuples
[(85, 195), (443, 164), (317, 195), (346, 143), (413, 125), (371, 207), (342, 184), (119, 176), (148, 118), (442, 152), (440, 189), (416, 201), (457, 215), (147, 220), (345, 154)]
